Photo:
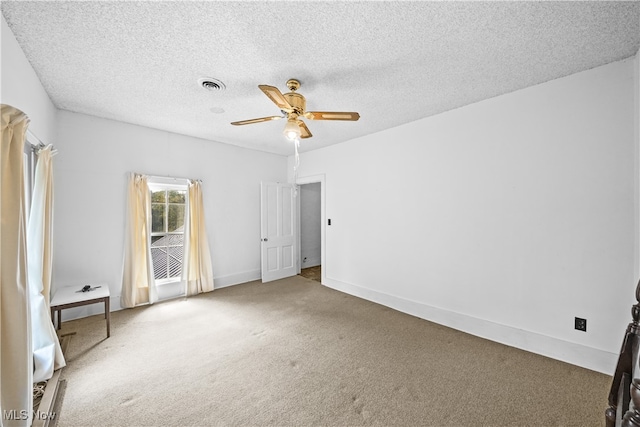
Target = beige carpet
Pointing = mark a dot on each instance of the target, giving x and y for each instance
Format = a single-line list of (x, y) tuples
[(295, 353)]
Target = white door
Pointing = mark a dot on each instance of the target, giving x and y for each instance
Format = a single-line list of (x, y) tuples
[(278, 231)]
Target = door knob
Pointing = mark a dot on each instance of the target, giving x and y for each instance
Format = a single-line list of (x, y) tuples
[(265, 239)]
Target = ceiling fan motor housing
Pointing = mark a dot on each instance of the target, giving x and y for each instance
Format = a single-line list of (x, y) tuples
[(297, 102)]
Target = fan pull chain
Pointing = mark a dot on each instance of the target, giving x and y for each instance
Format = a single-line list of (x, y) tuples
[(296, 163)]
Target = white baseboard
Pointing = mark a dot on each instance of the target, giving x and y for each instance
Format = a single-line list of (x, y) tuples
[(236, 279), (575, 354)]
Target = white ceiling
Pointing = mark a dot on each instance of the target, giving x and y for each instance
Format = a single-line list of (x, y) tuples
[(393, 62)]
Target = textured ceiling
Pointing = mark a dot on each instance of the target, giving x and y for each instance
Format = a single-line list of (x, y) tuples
[(393, 62)]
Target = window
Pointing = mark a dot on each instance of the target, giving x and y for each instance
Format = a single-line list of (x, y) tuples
[(167, 231)]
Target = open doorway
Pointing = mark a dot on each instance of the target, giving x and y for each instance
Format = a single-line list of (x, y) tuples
[(311, 231)]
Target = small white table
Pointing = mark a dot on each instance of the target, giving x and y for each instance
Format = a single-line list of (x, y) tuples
[(68, 297)]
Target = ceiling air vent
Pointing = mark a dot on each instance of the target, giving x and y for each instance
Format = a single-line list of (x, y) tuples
[(211, 84)]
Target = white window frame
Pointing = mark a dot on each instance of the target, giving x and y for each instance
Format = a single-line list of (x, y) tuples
[(29, 159), (167, 184)]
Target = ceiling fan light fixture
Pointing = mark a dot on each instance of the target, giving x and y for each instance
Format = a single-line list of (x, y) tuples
[(292, 130)]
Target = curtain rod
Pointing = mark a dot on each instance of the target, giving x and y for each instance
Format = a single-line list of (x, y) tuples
[(31, 137)]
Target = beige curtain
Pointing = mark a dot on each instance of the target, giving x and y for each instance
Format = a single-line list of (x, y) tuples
[(138, 283), (47, 354), (16, 362), (197, 271)]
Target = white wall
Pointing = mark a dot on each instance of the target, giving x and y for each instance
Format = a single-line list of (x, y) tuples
[(21, 88), (90, 175), (506, 218), (310, 225)]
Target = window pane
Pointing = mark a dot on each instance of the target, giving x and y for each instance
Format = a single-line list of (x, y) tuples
[(174, 240), (176, 196), (157, 217), (175, 261), (157, 241), (158, 196), (159, 257), (176, 218)]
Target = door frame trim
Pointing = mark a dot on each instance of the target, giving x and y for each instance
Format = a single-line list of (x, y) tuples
[(312, 179)]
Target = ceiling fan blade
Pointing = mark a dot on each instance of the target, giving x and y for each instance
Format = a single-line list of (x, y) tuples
[(304, 130), (276, 96), (332, 115), (260, 120)]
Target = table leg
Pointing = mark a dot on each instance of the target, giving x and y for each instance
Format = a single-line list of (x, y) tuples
[(107, 315), (59, 319)]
